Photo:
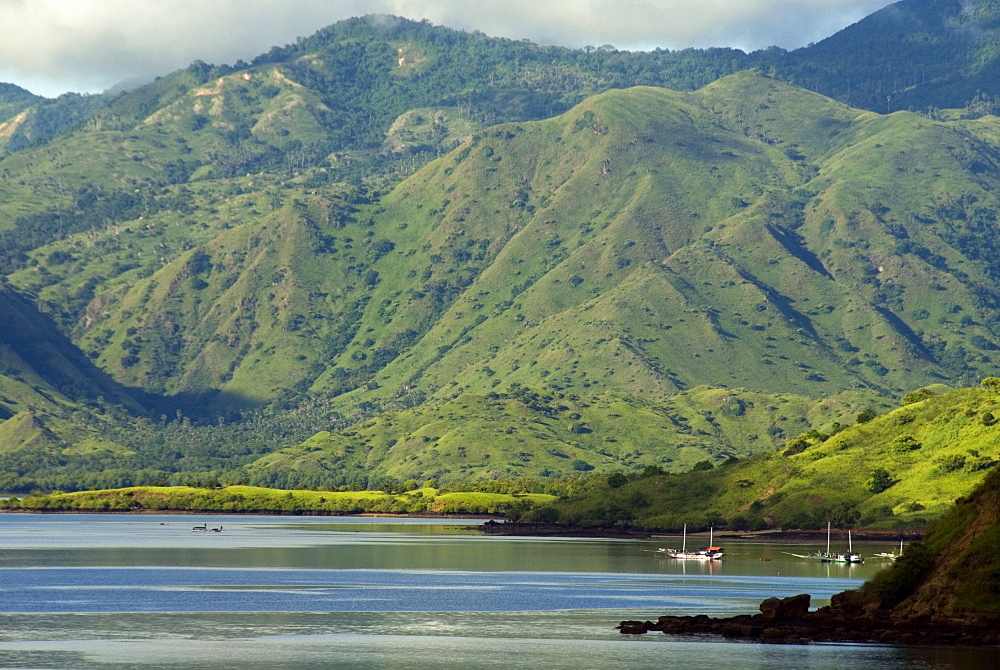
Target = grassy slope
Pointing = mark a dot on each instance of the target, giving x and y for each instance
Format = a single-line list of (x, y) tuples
[(818, 252), (645, 240), (527, 434), (954, 443), (952, 575), (718, 295)]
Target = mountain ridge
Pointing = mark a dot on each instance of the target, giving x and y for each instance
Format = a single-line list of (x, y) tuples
[(916, 54)]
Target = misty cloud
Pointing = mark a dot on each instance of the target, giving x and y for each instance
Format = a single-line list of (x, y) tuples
[(50, 46)]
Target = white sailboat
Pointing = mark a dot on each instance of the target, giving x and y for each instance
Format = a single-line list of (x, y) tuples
[(891, 555), (710, 553)]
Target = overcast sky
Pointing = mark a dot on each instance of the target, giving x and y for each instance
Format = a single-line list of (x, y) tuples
[(54, 46)]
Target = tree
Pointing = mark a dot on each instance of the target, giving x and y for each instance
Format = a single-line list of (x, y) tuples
[(796, 446), (880, 480), (866, 415), (617, 480), (844, 515)]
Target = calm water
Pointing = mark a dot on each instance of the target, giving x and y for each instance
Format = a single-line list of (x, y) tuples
[(104, 591)]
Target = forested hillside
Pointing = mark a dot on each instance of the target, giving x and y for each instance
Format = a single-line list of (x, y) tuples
[(394, 249)]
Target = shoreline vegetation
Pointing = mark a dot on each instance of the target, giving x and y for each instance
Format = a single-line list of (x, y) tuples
[(420, 501)]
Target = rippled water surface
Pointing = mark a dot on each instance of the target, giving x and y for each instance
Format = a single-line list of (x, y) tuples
[(106, 591)]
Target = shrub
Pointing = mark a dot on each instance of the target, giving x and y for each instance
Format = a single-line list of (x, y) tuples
[(796, 446), (844, 515), (544, 515), (904, 444), (894, 585), (992, 383), (918, 395), (980, 342), (980, 463), (877, 515), (950, 463)]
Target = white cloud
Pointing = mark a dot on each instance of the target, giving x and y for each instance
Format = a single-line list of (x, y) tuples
[(51, 46)]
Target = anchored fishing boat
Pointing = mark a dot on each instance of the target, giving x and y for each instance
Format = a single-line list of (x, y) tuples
[(831, 557)]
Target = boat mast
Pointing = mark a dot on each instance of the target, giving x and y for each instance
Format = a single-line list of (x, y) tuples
[(828, 537), (684, 541)]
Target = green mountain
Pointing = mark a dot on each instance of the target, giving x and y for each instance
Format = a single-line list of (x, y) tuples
[(900, 469), (646, 241), (915, 54), (276, 251)]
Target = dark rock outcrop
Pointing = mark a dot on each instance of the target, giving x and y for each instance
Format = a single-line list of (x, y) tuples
[(846, 619)]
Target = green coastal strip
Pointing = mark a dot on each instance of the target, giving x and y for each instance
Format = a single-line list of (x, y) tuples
[(252, 499)]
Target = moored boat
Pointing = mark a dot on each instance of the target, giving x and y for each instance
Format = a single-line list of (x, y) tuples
[(850, 556), (891, 555), (710, 553)]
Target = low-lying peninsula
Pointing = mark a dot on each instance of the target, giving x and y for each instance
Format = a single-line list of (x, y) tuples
[(413, 499)]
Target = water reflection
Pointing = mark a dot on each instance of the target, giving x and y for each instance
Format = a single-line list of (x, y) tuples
[(115, 592)]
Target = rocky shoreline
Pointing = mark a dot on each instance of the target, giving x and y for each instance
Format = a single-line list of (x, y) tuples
[(532, 529), (789, 621)]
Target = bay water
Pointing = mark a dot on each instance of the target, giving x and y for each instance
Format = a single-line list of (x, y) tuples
[(147, 591)]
